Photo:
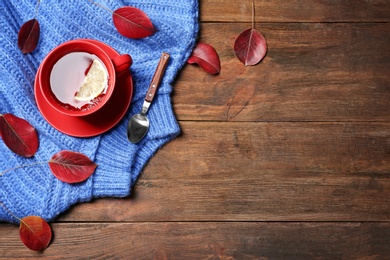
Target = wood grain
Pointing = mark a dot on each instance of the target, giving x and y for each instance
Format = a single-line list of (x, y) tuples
[(268, 171), (208, 240), (312, 72), (282, 11)]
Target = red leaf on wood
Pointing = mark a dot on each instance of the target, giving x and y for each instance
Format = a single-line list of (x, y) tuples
[(35, 233), (206, 57), (71, 167), (133, 23), (28, 36), (19, 135), (250, 47)]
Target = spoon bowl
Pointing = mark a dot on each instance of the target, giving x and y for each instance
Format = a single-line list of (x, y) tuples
[(137, 128)]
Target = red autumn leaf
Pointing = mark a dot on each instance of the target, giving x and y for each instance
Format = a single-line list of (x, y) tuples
[(206, 57), (18, 135), (28, 36), (71, 167), (35, 233), (250, 47), (133, 23)]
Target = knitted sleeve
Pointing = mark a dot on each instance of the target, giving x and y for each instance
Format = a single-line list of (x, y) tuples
[(34, 190)]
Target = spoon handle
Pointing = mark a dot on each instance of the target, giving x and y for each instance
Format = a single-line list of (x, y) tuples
[(158, 74)]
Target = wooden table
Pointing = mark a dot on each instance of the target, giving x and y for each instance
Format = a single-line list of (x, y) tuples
[(289, 159)]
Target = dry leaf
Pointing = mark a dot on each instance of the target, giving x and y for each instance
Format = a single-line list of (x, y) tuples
[(250, 47), (71, 167), (35, 233), (206, 57), (28, 36), (133, 23), (19, 135)]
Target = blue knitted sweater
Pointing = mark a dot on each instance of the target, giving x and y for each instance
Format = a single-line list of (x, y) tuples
[(34, 190)]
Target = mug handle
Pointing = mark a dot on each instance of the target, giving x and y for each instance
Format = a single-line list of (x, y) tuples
[(121, 63)]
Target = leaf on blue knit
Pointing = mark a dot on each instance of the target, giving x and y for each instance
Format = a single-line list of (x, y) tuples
[(133, 23), (71, 167), (18, 135), (206, 57), (28, 36), (35, 233)]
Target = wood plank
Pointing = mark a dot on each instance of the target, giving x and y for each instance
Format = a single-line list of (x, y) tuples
[(312, 72), (302, 138), (295, 11), (247, 240), (260, 171)]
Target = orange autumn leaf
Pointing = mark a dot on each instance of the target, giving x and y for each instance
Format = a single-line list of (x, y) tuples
[(35, 233)]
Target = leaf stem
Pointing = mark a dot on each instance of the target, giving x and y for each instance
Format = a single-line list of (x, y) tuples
[(100, 5), (253, 15), (21, 166), (36, 8), (6, 209)]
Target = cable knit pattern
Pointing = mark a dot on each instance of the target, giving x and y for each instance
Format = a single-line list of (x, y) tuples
[(34, 190)]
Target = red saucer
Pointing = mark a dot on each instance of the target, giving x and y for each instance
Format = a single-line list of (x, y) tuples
[(101, 121)]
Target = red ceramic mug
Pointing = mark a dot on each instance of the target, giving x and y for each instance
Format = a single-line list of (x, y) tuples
[(63, 66)]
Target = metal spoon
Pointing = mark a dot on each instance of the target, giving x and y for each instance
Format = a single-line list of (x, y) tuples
[(139, 124)]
